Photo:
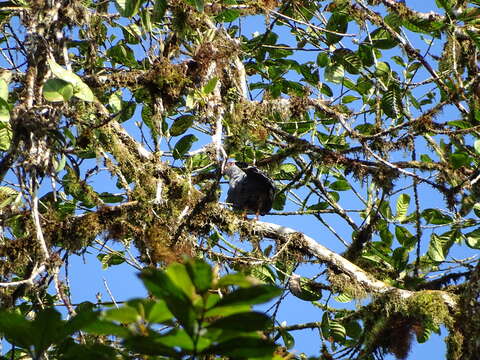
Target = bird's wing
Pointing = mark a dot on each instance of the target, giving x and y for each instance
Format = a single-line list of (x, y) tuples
[(260, 178)]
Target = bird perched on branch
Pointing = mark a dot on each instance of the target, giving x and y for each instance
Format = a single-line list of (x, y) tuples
[(250, 189)]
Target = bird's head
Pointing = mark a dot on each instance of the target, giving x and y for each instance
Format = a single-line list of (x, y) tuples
[(232, 170)]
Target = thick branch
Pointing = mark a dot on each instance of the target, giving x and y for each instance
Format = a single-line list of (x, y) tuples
[(334, 260)]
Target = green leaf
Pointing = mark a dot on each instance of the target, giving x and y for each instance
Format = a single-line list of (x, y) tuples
[(435, 249), (56, 90), (461, 124), (122, 54), (349, 98), (4, 90), (201, 274), (338, 22), (446, 4), (246, 321), (403, 202), (228, 15), (159, 312), (440, 244), (183, 145), (366, 53), (343, 298), (349, 59), (381, 39), (325, 325), (128, 8), (250, 296), (303, 288), (460, 159), (199, 5), (179, 275), (476, 145), (47, 329), (151, 345), (128, 109), (110, 259), (216, 311), (132, 34), (146, 20), (436, 217), (473, 238), (4, 113), (176, 338), (115, 101), (124, 314), (85, 316), (391, 103), (16, 329), (7, 196), (323, 59), (286, 171), (242, 347), (181, 124), (111, 198), (337, 330), (161, 285), (263, 273), (340, 185), (353, 329), (400, 258), (404, 237), (159, 9), (103, 327), (287, 338), (210, 85), (80, 89), (334, 73), (237, 279)]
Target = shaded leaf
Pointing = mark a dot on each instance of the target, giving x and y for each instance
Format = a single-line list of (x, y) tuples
[(201, 274), (338, 22), (242, 347), (246, 321), (181, 124), (183, 145), (250, 296)]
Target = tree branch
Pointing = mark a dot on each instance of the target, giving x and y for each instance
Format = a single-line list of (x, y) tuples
[(334, 260)]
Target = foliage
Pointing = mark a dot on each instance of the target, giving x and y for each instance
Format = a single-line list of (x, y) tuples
[(194, 319), (116, 119)]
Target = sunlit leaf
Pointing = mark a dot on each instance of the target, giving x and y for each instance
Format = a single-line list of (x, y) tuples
[(403, 202), (80, 89), (128, 8), (210, 85)]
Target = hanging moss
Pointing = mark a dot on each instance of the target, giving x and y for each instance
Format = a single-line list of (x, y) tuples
[(343, 284), (454, 342), (401, 318)]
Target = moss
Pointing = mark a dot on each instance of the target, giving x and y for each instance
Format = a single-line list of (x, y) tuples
[(428, 307), (342, 283), (454, 343), (396, 320)]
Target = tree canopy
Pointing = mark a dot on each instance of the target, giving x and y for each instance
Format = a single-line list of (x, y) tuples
[(117, 119)]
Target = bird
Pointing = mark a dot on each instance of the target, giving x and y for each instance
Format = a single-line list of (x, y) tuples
[(250, 189)]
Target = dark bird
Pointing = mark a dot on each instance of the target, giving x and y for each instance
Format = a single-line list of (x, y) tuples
[(250, 189)]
